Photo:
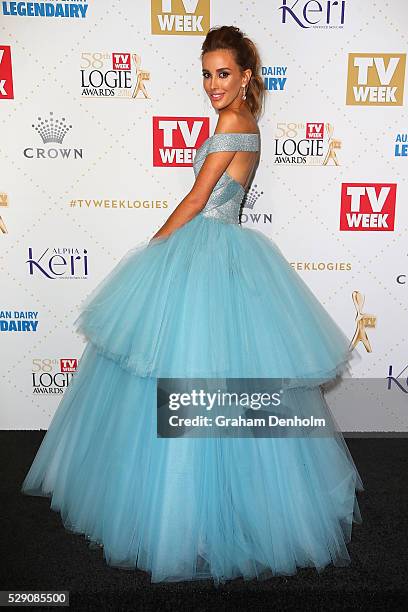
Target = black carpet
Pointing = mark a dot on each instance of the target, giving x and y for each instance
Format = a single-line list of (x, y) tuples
[(39, 554)]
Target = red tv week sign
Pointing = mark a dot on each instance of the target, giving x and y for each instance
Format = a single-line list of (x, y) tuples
[(175, 139), (315, 130), (69, 365), (6, 75), (368, 207)]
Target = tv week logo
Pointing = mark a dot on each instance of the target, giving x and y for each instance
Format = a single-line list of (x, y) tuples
[(368, 207), (375, 79), (315, 131), (175, 139), (180, 17), (6, 75), (69, 365)]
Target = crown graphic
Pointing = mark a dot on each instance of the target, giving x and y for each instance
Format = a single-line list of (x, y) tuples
[(52, 130), (251, 197)]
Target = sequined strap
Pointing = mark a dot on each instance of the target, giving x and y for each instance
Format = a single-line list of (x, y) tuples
[(233, 142)]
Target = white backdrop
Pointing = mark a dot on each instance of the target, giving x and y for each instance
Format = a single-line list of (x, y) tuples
[(108, 73)]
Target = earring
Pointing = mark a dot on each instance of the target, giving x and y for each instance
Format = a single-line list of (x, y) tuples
[(244, 94)]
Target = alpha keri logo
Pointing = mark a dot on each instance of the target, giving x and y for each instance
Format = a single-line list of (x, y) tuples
[(176, 139), (368, 207), (180, 17), (376, 79)]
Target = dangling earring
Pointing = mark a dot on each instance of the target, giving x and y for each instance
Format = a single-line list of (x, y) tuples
[(244, 94)]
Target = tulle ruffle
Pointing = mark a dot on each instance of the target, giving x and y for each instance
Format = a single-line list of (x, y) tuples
[(213, 299), (190, 508)]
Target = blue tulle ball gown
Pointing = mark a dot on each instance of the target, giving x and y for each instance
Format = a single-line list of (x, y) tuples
[(213, 299)]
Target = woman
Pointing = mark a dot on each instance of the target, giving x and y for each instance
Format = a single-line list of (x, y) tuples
[(204, 299)]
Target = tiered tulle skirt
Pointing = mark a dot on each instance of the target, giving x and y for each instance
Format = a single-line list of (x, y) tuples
[(212, 300)]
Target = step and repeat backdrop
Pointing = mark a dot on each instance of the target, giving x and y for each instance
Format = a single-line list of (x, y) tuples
[(102, 108)]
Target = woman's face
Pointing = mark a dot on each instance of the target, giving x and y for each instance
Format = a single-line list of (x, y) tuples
[(223, 79)]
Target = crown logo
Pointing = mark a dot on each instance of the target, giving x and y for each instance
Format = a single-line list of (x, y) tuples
[(52, 130), (251, 197)]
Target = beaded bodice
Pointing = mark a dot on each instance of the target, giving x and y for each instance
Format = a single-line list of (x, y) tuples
[(225, 200)]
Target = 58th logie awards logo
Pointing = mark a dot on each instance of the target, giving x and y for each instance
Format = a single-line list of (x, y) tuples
[(113, 75), (311, 144)]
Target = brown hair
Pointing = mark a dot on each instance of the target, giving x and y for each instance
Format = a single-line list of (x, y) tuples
[(246, 56)]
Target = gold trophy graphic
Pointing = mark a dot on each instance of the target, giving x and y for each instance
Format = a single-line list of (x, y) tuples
[(3, 202), (363, 320), (334, 144), (141, 76)]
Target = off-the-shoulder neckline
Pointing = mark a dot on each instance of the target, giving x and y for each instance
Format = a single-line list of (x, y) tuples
[(226, 134), (235, 134)]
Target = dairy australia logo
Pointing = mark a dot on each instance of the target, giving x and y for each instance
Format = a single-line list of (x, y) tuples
[(312, 144), (6, 75), (113, 75), (58, 263), (18, 320), (401, 145), (52, 130), (313, 14), (375, 79), (368, 207), (58, 8), (180, 17), (175, 139), (274, 77)]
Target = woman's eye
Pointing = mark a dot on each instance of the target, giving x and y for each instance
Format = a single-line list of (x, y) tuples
[(205, 75)]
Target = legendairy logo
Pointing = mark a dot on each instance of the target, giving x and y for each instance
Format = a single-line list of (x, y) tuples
[(113, 75), (375, 79), (18, 320), (180, 17), (59, 263), (52, 376), (368, 207), (313, 14), (311, 144), (175, 139), (58, 8), (274, 77), (401, 145), (52, 130), (6, 74)]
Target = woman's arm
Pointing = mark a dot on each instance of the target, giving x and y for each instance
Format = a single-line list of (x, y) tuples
[(210, 172), (212, 169)]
